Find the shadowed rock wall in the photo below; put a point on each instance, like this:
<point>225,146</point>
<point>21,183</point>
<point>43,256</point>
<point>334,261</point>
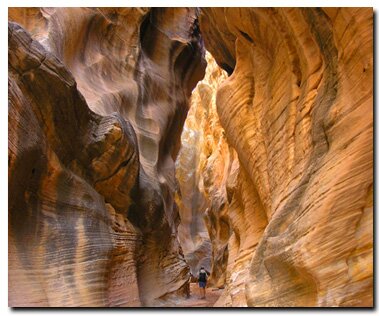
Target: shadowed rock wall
<point>97,101</point>
<point>297,109</point>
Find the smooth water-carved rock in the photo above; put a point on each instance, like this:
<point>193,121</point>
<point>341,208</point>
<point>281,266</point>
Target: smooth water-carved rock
<point>298,111</point>
<point>202,169</point>
<point>62,156</point>
<point>136,69</point>
<point>97,102</point>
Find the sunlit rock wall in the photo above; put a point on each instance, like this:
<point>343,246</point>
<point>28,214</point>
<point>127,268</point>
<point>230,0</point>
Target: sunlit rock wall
<point>298,110</point>
<point>192,204</point>
<point>202,169</point>
<point>97,101</point>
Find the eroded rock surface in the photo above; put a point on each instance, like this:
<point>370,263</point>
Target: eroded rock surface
<point>66,243</point>
<point>202,169</point>
<point>297,108</point>
<point>96,224</point>
<point>281,174</point>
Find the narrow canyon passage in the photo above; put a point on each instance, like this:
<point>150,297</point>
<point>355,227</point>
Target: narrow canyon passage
<point>202,168</point>
<point>144,143</point>
<point>201,171</point>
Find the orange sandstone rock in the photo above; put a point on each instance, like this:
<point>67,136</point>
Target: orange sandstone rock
<point>297,108</point>
<point>202,170</point>
<point>277,180</point>
<point>108,92</point>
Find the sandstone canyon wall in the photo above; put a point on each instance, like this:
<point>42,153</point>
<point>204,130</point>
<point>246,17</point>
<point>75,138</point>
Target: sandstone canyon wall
<point>274,179</point>
<point>298,110</point>
<point>202,169</point>
<point>97,101</point>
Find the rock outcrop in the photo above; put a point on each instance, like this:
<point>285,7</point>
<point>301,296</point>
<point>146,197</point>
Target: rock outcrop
<point>274,179</point>
<point>298,110</point>
<point>97,101</point>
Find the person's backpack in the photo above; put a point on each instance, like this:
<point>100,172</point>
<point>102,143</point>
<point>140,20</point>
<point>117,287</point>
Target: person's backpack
<point>202,277</point>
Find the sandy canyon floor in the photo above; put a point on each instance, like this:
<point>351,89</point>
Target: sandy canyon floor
<point>212,295</point>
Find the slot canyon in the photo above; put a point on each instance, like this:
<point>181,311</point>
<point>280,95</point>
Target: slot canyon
<point>144,143</point>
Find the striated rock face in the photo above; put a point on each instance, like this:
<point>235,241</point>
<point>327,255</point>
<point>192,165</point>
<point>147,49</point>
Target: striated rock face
<point>297,109</point>
<point>202,169</point>
<point>274,178</point>
<point>97,101</point>
<point>66,242</point>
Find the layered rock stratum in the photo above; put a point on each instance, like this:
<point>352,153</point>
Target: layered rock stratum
<point>273,182</point>
<point>97,101</point>
<point>298,110</point>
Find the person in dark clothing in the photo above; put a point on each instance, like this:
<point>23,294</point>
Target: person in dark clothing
<point>202,278</point>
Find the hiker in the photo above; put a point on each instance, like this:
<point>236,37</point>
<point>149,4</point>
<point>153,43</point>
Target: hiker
<point>202,278</point>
